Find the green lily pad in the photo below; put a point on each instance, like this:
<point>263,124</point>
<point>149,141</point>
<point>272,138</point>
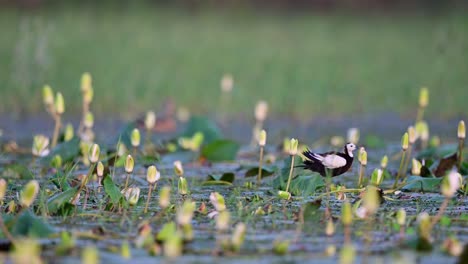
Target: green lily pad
<point>112,190</point>
<point>57,201</point>
<point>266,171</point>
<point>166,231</point>
<point>27,224</point>
<point>17,171</point>
<point>223,179</point>
<point>68,151</point>
<point>420,184</point>
<point>306,185</point>
<point>220,150</point>
<point>202,124</point>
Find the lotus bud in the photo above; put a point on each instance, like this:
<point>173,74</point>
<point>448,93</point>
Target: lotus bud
<point>222,220</point>
<point>152,174</point>
<point>401,217</point>
<point>3,188</point>
<point>100,169</point>
<point>346,214</point>
<point>422,129</point>
<point>377,177</point>
<point>371,200</point>
<point>461,132</point>
<point>284,195</point>
<point>164,197</point>
<point>353,135</point>
<point>185,213</point>
<point>262,138</point>
<point>425,225</point>
<point>423,97</point>
<point>330,228</point>
<point>47,95</point>
<point>56,161</point>
<point>182,186</point>
<point>29,193</point>
<point>69,132</point>
<point>412,135</point>
<point>150,120</point>
<point>416,168</point>
<point>172,247</point>
<point>178,169</point>
<point>59,104</point>
<point>384,162</point>
<point>88,120</point>
<point>261,111</point>
<point>451,183</point>
<point>347,254</point>
<point>218,201</point>
<point>238,236</point>
<point>404,141</point>
<point>132,195</point>
<point>40,146</point>
<point>90,255</point>
<point>286,145</point>
<point>129,164</point>
<point>135,137</point>
<point>362,157</point>
<point>293,149</point>
<point>94,153</point>
<point>86,81</point>
<point>227,82</point>
<point>88,96</point>
<point>121,149</point>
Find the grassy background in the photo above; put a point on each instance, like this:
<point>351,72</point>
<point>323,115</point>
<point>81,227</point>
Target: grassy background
<point>302,64</point>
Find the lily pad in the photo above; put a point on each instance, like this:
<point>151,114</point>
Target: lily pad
<point>266,171</point>
<point>27,224</point>
<point>57,201</point>
<point>420,184</point>
<point>206,126</point>
<point>306,185</point>
<point>67,150</point>
<point>17,171</point>
<point>223,179</point>
<point>220,150</point>
<point>112,190</point>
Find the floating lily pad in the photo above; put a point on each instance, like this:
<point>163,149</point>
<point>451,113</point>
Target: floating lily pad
<point>27,224</point>
<point>266,171</point>
<point>220,150</point>
<point>420,184</point>
<point>59,200</point>
<point>220,179</point>
<point>206,126</point>
<point>17,171</point>
<point>67,150</point>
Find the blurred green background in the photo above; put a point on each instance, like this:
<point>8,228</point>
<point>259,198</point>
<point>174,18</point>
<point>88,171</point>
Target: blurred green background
<point>305,61</point>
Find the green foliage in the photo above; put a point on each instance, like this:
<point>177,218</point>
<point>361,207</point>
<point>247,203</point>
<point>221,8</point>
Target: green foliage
<point>59,200</point>
<point>220,150</point>
<point>266,171</point>
<point>220,179</point>
<point>68,151</point>
<point>27,224</point>
<point>206,126</point>
<point>112,190</point>
<point>17,171</point>
<point>420,184</point>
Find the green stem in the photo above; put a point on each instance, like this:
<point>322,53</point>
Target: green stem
<point>148,199</point>
<point>126,181</point>
<point>403,155</point>
<point>420,114</point>
<point>290,173</point>
<point>461,143</point>
<point>260,164</point>
<point>362,169</point>
<point>343,191</point>
<point>83,184</point>
<point>58,122</point>
<point>407,161</point>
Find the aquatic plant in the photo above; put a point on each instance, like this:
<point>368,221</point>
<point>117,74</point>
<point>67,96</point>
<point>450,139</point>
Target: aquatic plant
<point>362,157</point>
<point>152,177</point>
<point>261,142</point>
<point>404,147</point>
<point>461,134</point>
<point>292,153</point>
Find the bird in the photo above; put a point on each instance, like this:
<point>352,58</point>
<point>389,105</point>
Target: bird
<point>336,163</point>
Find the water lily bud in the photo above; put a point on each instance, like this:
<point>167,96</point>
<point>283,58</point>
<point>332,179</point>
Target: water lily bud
<point>453,247</point>
<point>330,251</point>
<point>47,95</point>
<point>384,162</point>
<point>152,174</point>
<point>262,138</point>
<point>362,157</point>
<point>286,145</point>
<point>346,213</point>
<point>100,169</point>
<point>218,201</point>
<point>434,142</point>
<point>56,161</point>
<point>185,213</point>
<point>280,247</point>
<point>353,135</point>
<point>222,220</point>
<point>347,254</point>
<point>423,97</point>
<point>422,130</point>
<point>121,149</point>
<point>293,149</point>
<point>451,183</point>
<point>132,195</point>
<point>461,132</point>
<point>238,236</point>
<point>172,247</point>
<point>261,111</point>
<point>377,177</point>
<point>401,217</point>
<point>94,153</point>
<point>165,197</point>
<point>412,135</point>
<point>69,132</point>
<point>88,121</point>
<point>129,164</point>
<point>59,104</point>
<point>425,225</point>
<point>178,169</point>
<point>40,146</point>
<point>284,195</point>
<point>416,168</point>
<point>25,250</point>
<point>227,82</point>
<point>330,228</point>
<point>88,96</point>
<point>86,81</point>
<point>29,193</point>
<point>371,200</point>
<point>135,137</point>
<point>404,141</point>
<point>125,250</point>
<point>150,120</point>
<point>182,186</point>
<point>197,140</point>
<point>3,188</point>
<point>90,255</point>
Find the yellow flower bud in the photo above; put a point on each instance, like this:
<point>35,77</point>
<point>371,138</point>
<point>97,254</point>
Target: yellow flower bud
<point>88,120</point>
<point>178,169</point>
<point>125,251</point>
<point>347,254</point>
<point>238,236</point>
<point>135,137</point>
<point>346,213</point>
<point>401,217</point>
<point>150,120</point>
<point>371,200</point>
<point>94,153</point>
<point>86,81</point>
<point>182,186</point>
<point>185,213</point>
<point>412,135</point>
<point>47,95</point>
<point>222,220</point>
<point>152,174</point>
<point>100,169</point>
<point>218,201</point>
<point>353,135</point>
<point>404,141</point>
<point>29,193</point>
<point>88,96</point>
<point>416,167</point>
<point>59,104</point>
<point>422,129</point>
<point>262,138</point>
<point>69,132</point>
<point>362,157</point>
<point>40,146</point>
<point>461,132</point>
<point>293,149</point>
<point>384,162</point>
<point>227,82</point>
<point>451,183</point>
<point>423,97</point>
<point>129,164</point>
<point>90,255</point>
<point>330,228</point>
<point>284,195</point>
<point>164,197</point>
<point>377,177</point>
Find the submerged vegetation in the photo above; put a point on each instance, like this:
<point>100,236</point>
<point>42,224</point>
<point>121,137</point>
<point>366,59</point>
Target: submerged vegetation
<point>200,194</point>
